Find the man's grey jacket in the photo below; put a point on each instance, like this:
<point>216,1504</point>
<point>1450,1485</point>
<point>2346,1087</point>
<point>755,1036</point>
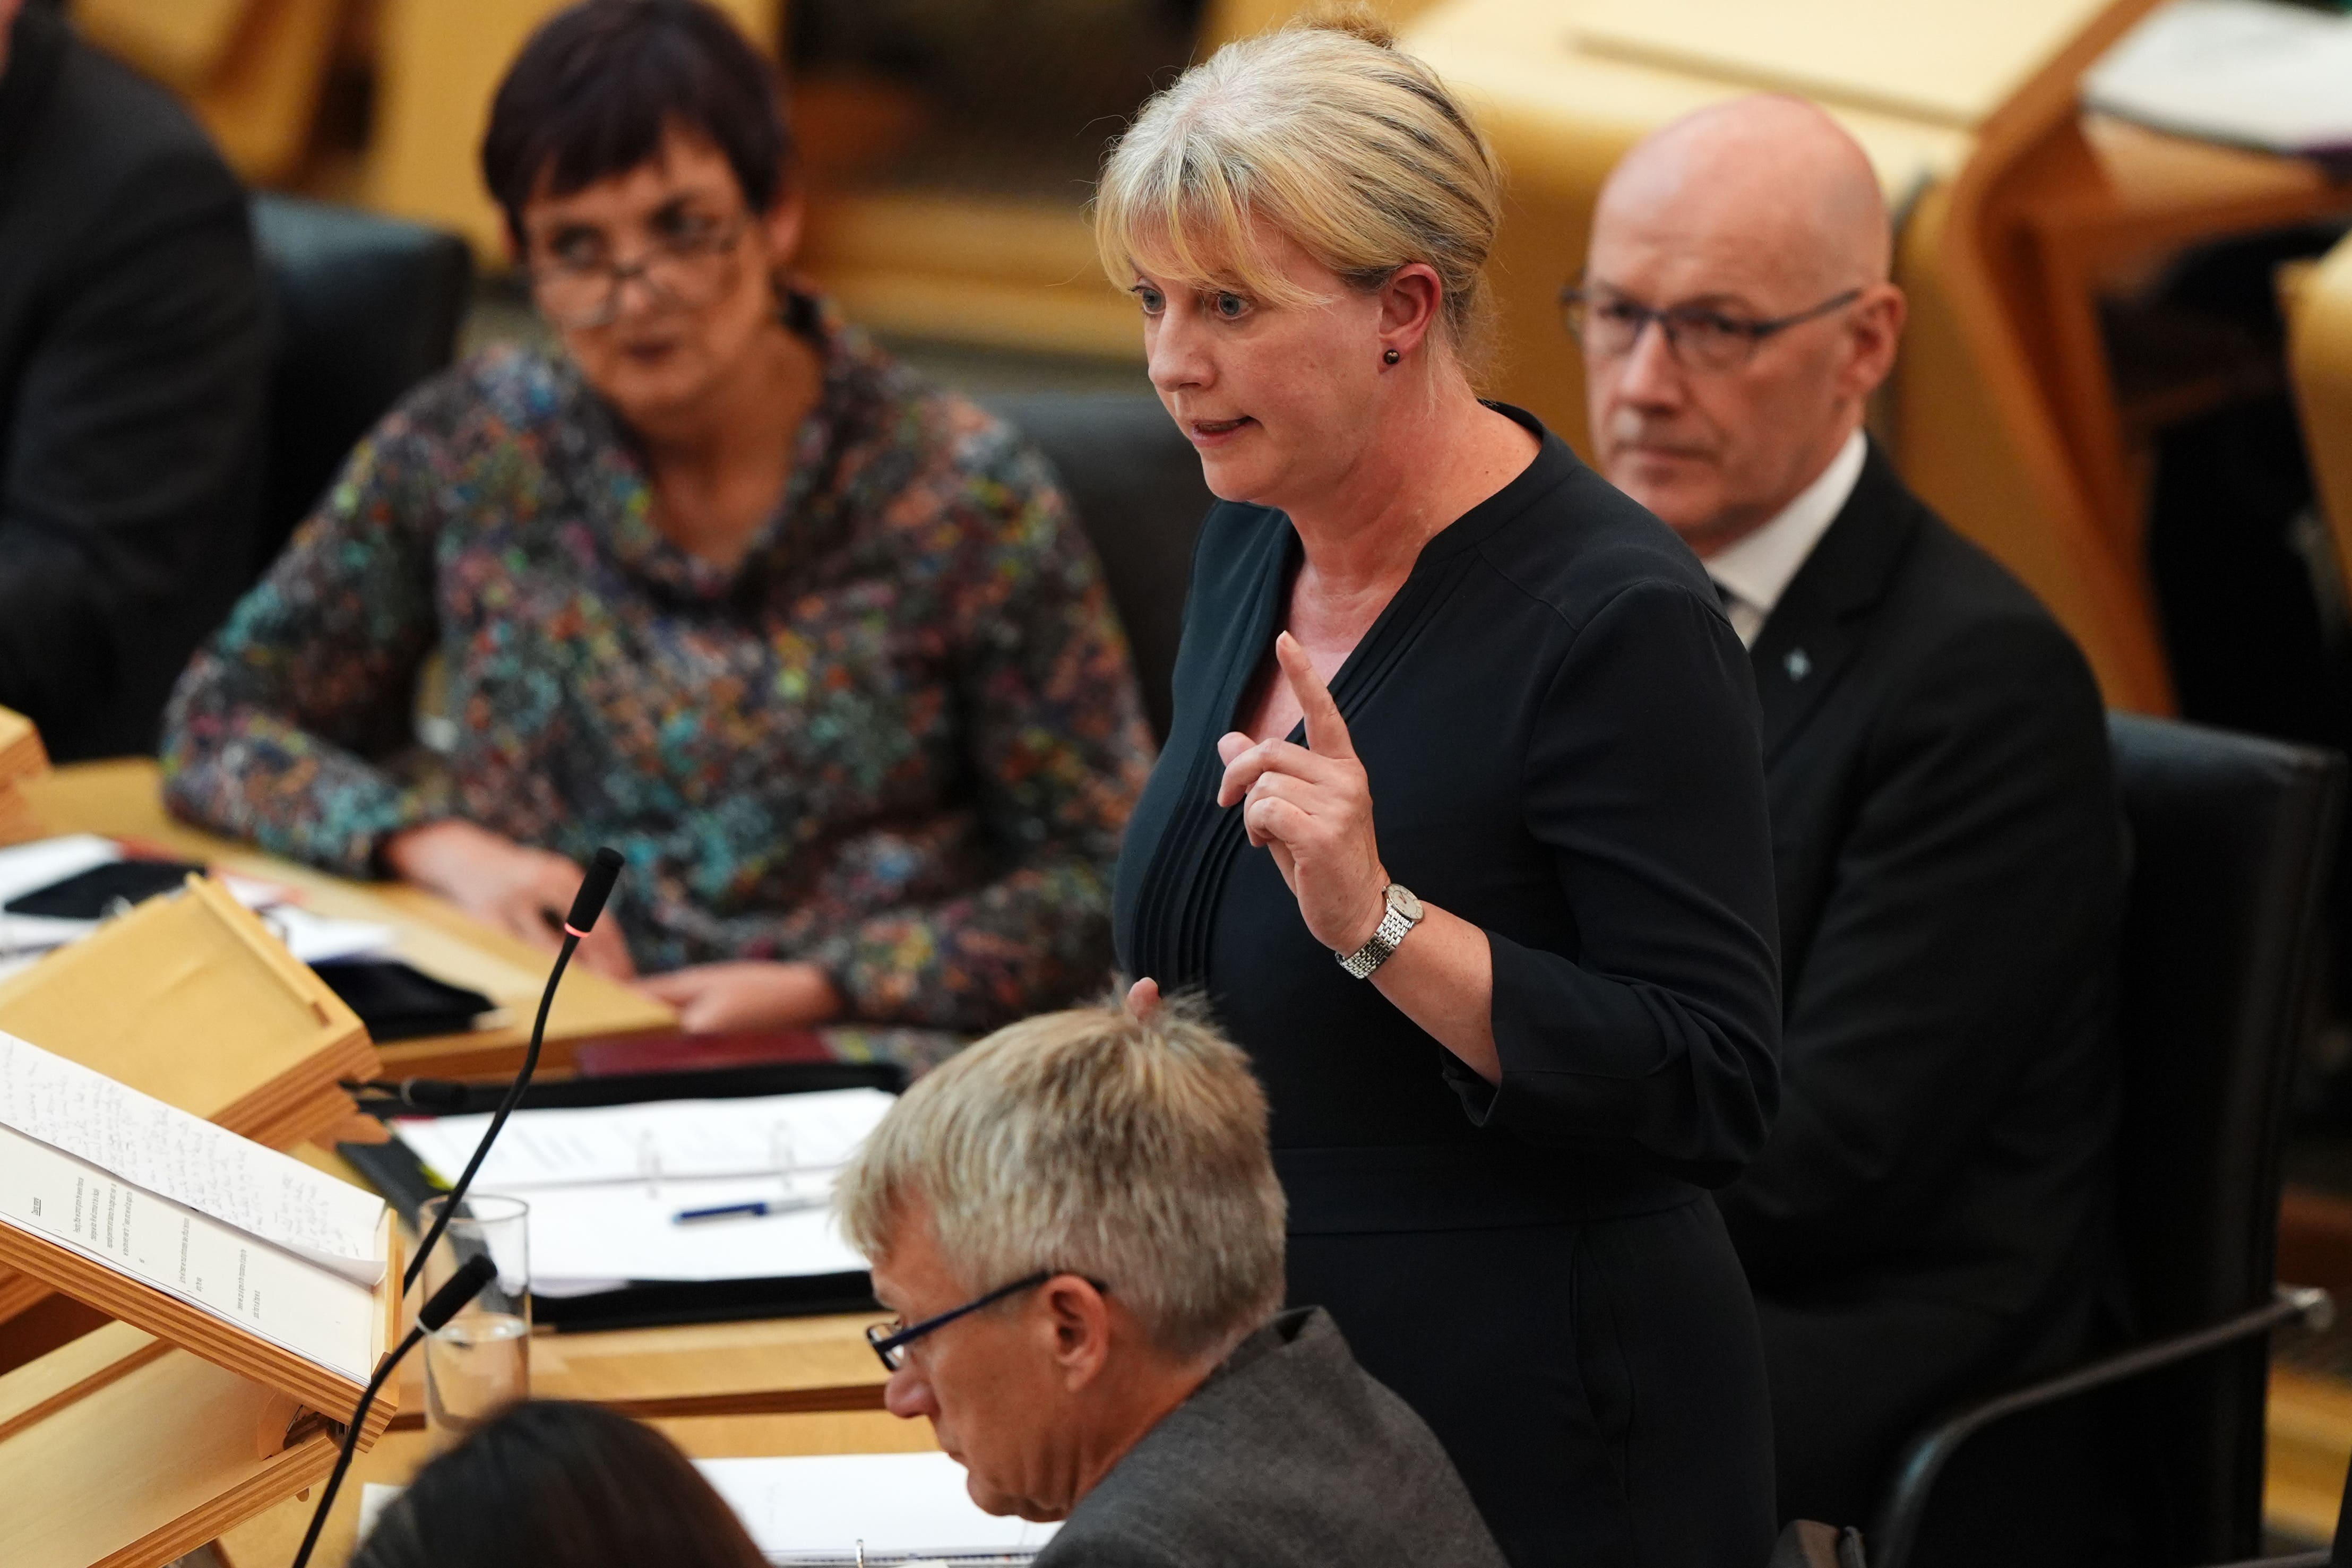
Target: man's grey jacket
<point>1289,1453</point>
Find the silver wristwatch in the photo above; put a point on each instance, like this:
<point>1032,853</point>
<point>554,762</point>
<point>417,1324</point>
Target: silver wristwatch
<point>1404,913</point>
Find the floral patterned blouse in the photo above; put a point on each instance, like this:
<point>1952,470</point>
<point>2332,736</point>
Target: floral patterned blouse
<point>899,740</point>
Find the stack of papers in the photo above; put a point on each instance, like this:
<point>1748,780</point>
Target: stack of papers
<point>28,867</point>
<point>243,1232</point>
<point>606,1184</point>
<point>902,1508</point>
<point>2254,73</point>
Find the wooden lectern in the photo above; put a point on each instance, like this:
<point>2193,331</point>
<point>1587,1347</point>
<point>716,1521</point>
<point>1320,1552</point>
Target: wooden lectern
<point>135,1445</point>
<point>190,999</point>
<point>142,1440</point>
<point>121,1451</point>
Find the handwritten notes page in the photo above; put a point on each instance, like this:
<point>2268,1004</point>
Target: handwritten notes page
<point>188,1161</point>
<point>231,1273</point>
<point>243,1232</point>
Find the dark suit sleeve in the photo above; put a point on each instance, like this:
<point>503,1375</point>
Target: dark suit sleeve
<point>1975,885</point>
<point>129,461</point>
<point>1645,780</point>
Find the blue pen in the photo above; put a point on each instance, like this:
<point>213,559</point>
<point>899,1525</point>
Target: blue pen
<point>754,1210</point>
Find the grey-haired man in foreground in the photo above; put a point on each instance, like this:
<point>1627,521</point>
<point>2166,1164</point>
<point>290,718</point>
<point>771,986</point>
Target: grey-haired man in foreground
<point>1079,1226</point>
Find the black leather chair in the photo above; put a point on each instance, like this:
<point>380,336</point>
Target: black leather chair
<point>363,307</point>
<point>2232,842</point>
<point>1136,485</point>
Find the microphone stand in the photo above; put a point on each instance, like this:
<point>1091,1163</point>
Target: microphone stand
<point>455,1291</point>
<point>595,888</point>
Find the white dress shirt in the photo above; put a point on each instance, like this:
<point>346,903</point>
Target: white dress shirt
<point>1752,574</point>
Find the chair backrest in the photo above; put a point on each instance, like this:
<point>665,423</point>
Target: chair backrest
<point>1135,482</point>
<point>2234,839</point>
<point>364,307</point>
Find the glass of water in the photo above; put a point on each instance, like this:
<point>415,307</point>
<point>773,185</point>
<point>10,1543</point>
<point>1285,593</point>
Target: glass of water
<point>480,1362</point>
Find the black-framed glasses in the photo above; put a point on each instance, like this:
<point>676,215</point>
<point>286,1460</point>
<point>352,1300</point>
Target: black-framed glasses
<point>1701,337</point>
<point>890,1340</point>
<point>687,269</point>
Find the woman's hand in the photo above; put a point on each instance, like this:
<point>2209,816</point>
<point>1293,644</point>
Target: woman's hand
<point>723,998</point>
<point>1311,805</point>
<point>524,892</point>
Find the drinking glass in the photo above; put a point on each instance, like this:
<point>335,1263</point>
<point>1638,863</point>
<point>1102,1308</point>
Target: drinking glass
<point>480,1362</point>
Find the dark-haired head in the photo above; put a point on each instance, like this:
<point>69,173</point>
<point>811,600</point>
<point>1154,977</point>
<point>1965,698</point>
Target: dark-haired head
<point>595,91</point>
<point>637,147</point>
<point>559,1485</point>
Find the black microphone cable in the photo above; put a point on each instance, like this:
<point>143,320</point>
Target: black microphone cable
<point>459,1288</point>
<point>594,889</point>
<point>478,1270</point>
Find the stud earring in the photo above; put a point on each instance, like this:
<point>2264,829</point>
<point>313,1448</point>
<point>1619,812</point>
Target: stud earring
<point>1391,357</point>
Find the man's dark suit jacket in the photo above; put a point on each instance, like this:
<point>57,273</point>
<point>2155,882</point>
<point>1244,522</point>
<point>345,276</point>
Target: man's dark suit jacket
<point>1291,1456</point>
<point>132,365</point>
<point>1928,1219</point>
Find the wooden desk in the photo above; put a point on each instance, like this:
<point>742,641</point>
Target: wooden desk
<point>2091,201</point>
<point>121,799</point>
<point>2016,209</point>
<point>2319,358</point>
<point>271,1540</point>
<point>785,1385</point>
<point>764,1367</point>
<point>774,1366</point>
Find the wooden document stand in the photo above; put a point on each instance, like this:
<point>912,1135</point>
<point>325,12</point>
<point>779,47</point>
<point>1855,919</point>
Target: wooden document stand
<point>120,1450</point>
<point>127,1448</point>
<point>190,999</point>
<point>136,1443</point>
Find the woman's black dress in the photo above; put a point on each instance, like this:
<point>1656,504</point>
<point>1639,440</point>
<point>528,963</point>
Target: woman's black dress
<point>1560,732</point>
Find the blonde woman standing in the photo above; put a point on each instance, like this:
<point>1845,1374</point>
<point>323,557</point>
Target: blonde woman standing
<point>1461,827</point>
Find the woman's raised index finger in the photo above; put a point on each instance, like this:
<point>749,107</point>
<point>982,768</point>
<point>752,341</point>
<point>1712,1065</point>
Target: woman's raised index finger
<point>1327,733</point>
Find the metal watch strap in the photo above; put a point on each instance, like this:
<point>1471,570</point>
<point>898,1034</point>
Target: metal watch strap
<point>1393,926</point>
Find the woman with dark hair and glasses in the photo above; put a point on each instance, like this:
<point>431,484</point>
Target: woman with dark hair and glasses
<point>557,1485</point>
<point>817,645</point>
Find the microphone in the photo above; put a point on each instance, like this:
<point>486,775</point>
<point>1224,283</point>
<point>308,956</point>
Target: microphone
<point>455,1291</point>
<point>447,1301</point>
<point>595,888</point>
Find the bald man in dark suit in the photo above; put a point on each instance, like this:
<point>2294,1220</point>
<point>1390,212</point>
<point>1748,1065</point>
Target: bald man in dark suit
<point>1930,1219</point>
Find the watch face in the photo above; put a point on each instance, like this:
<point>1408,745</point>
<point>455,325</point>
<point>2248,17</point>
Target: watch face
<point>1401,900</point>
